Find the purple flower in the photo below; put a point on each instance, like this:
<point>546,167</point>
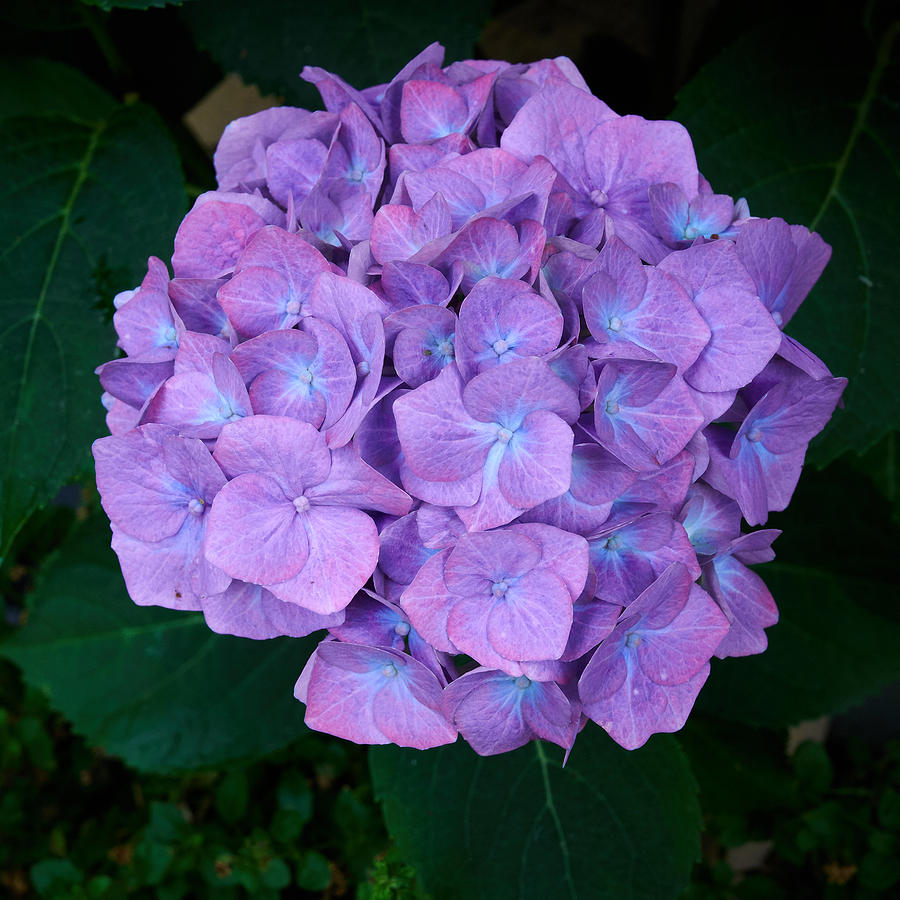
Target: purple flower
<point>784,261</point>
<point>503,597</point>
<point>371,695</point>
<point>628,305</point>
<point>156,488</point>
<point>645,676</point>
<point>297,508</point>
<point>759,465</point>
<point>501,320</point>
<point>496,712</point>
<point>466,367</point>
<point>503,438</point>
<point>643,412</point>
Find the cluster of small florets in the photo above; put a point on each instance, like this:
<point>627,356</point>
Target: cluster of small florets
<point>482,378</point>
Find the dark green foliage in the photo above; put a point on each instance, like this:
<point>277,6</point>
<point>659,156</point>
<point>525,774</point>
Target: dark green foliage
<point>78,824</point>
<point>822,655</point>
<point>812,135</point>
<point>82,217</point>
<point>366,43</point>
<point>520,825</point>
<point>154,686</point>
<point>831,834</point>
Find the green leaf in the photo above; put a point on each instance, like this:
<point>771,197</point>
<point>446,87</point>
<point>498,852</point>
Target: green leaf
<point>813,768</point>
<point>232,796</point>
<point>154,686</point>
<point>313,872</point>
<point>612,823</point>
<point>51,875</point>
<point>295,796</point>
<point>813,135</point>
<point>831,649</point>
<point>276,874</point>
<point>740,769</point>
<point>366,43</point>
<point>92,188</point>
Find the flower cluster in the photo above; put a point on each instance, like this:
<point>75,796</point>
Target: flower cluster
<point>482,378</point>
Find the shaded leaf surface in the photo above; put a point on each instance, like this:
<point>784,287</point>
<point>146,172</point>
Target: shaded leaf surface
<point>831,649</point>
<point>366,43</point>
<point>92,189</point>
<point>739,768</point>
<point>154,686</point>
<point>610,824</point>
<point>813,135</point>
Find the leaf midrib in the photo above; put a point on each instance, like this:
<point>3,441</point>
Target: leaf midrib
<point>117,634</point>
<point>882,58</point>
<point>81,175</point>
<point>550,806</point>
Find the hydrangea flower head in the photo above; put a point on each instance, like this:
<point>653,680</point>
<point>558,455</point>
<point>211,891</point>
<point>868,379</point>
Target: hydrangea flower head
<point>484,380</point>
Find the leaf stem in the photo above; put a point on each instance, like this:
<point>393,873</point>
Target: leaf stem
<point>882,58</point>
<point>551,808</point>
<point>97,28</point>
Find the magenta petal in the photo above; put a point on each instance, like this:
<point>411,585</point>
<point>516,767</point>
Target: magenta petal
<point>293,167</point>
<point>255,533</point>
<point>216,230</point>
<point>248,610</point>
<point>407,709</point>
<point>492,508</point>
<point>478,560</point>
<point>641,708</point>
<point>430,110</point>
<point>537,464</point>
<point>241,136</point>
<point>675,653</point>
<point>145,489</point>
<point>507,394</point>
<point>351,482</point>
<point>593,620</point>
<point>502,320</point>
<point>200,404</point>
<point>555,123</point>
<point>564,554</point>
<point>747,603</point>
<point>132,381</point>
<point>273,281</point>
<point>343,552</point>
<point>291,452</point>
<point>375,696</point>
<point>406,284</point>
<point>629,149</point>
<point>464,492</point>
<point>440,440</point>
<point>427,603</point>
<point>533,619</point>
<point>160,573</point>
<point>339,698</point>
<point>485,705</point>
<point>744,336</point>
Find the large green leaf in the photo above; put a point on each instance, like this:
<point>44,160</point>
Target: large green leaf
<point>809,130</point>
<point>831,649</point>
<point>91,189</point>
<point>366,43</point>
<point>153,686</point>
<point>520,825</point>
